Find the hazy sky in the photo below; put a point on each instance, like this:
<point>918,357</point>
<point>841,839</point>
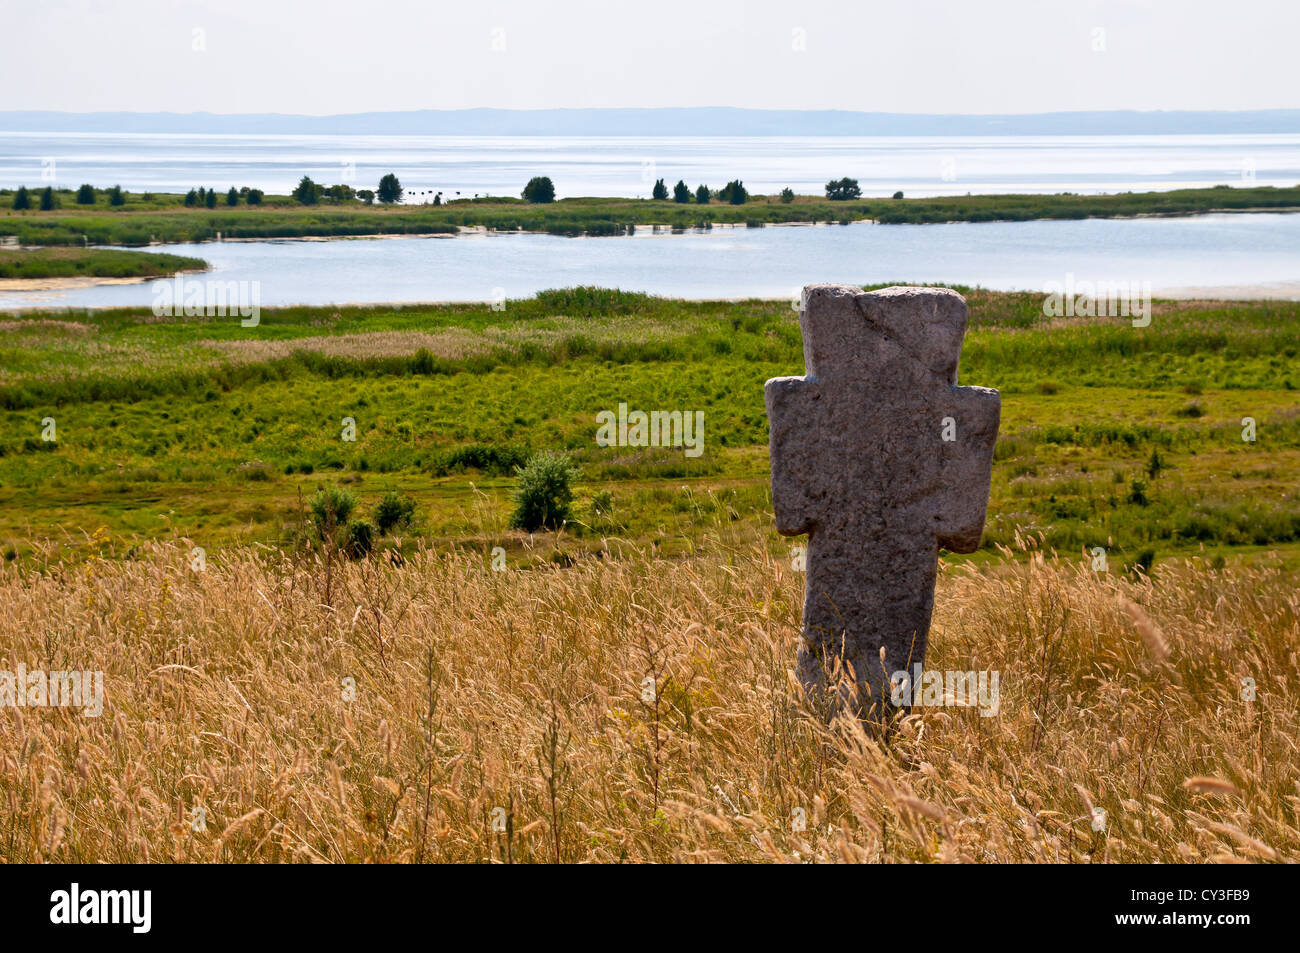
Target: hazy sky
<point>959,56</point>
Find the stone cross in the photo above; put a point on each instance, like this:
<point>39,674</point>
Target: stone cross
<point>881,459</point>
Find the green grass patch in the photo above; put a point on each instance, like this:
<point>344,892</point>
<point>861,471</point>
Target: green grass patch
<point>202,428</point>
<point>92,263</point>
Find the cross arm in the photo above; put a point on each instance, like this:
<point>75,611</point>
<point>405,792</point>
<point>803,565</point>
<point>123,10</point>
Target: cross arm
<point>967,464</point>
<point>792,408</point>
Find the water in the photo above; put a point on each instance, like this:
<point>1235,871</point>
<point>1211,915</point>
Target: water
<point>1211,251</point>
<point>621,166</point>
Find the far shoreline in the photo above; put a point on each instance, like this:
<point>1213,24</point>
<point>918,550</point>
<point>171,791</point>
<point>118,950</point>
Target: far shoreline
<point>152,219</point>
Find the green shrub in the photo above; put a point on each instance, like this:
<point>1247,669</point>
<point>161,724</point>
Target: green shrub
<point>587,301</point>
<point>331,509</point>
<point>360,541</point>
<point>544,493</point>
<point>394,511</point>
<point>1142,565</point>
<point>491,459</point>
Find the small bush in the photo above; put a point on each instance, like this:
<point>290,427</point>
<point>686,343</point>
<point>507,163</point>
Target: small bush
<point>544,492</point>
<point>360,541</point>
<point>490,459</point>
<point>1142,565</point>
<point>331,508</point>
<point>588,301</point>
<point>394,511</point>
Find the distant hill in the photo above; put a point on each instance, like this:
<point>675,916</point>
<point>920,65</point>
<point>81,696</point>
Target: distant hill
<point>703,121</point>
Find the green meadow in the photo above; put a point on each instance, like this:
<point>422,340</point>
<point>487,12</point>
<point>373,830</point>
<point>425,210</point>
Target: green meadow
<point>1128,438</point>
<point>65,262</point>
<point>143,219</point>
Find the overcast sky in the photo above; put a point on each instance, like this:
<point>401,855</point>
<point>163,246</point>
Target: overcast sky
<point>947,56</point>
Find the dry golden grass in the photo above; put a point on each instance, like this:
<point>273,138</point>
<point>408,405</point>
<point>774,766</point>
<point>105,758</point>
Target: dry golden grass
<point>523,690</point>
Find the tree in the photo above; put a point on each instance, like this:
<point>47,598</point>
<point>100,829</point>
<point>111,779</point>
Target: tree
<point>341,193</point>
<point>843,189</point>
<point>702,195</point>
<point>116,196</point>
<point>734,192</point>
<point>47,199</point>
<point>681,192</point>
<point>21,199</point>
<point>898,195</point>
<point>191,198</point>
<point>390,190</point>
<point>367,196</point>
<point>307,192</point>
<point>232,197</point>
<point>255,196</point>
<point>787,196</point>
<point>211,199</point>
<point>539,189</point>
<point>86,195</point>
<point>660,191</point>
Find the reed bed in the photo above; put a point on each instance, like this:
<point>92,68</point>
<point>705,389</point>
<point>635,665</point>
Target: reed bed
<point>281,708</point>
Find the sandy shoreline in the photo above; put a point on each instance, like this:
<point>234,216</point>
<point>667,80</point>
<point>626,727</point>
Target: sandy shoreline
<point>64,284</point>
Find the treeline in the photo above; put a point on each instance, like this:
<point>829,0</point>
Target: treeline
<point>539,211</point>
<point>733,193</point>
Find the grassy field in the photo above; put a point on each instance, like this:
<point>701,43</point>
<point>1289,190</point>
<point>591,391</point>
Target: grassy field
<point>263,711</point>
<point>266,704</point>
<point>91,263</point>
<point>1115,436</point>
<point>164,218</point>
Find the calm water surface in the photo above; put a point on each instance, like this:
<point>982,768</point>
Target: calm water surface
<point>1228,250</point>
<point>628,166</point>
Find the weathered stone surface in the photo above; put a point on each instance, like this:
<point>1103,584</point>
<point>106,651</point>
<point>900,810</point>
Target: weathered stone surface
<point>861,464</point>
